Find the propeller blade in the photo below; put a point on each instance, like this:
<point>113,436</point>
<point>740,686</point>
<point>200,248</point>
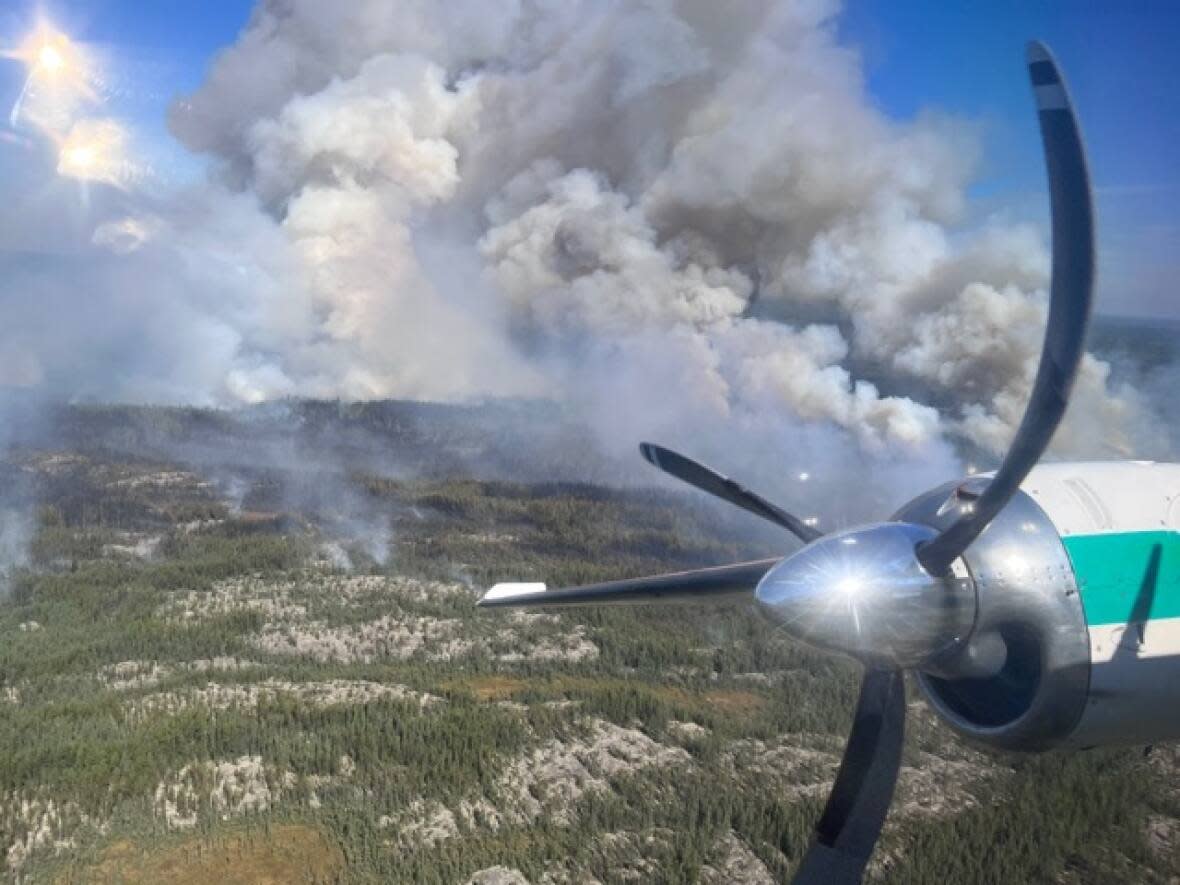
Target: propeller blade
<point>699,585</point>
<point>707,480</point>
<point>847,832</point>
<point>1070,300</point>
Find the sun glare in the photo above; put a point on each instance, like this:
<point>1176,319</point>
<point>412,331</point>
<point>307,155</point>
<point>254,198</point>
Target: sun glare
<point>50,59</point>
<point>49,53</point>
<point>850,586</point>
<point>60,80</point>
<point>95,150</point>
<point>61,99</point>
<point>78,158</point>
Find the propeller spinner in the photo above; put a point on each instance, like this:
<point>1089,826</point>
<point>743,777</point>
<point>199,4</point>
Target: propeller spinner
<point>893,595</point>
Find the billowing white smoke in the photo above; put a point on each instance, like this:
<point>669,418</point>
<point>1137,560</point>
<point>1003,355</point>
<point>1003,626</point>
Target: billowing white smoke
<point>684,217</point>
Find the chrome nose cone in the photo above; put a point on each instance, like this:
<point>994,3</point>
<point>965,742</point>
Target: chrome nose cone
<point>862,592</point>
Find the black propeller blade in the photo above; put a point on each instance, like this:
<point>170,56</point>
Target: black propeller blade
<point>847,832</point>
<point>691,586</point>
<point>1069,311</point>
<point>708,480</point>
<point>851,823</point>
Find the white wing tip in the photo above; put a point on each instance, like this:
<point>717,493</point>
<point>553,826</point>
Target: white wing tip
<point>505,592</point>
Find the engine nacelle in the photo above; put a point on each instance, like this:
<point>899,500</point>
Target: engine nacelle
<point>1079,575</point>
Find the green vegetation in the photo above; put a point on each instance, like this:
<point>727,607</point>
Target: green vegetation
<point>190,687</point>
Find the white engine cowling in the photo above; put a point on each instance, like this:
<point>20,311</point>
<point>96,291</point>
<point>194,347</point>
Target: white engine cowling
<point>1080,576</point>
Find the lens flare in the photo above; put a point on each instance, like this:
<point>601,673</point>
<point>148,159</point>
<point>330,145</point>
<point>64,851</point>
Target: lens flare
<point>50,59</point>
<point>850,586</point>
<point>52,56</point>
<point>61,101</point>
<point>79,158</point>
<point>60,80</point>
<point>95,150</point>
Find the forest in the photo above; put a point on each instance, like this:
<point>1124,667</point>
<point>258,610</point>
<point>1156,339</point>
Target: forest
<point>244,645</point>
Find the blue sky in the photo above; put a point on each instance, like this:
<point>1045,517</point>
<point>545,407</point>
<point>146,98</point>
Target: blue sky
<point>962,58</point>
<point>1123,66</point>
<point>185,33</point>
<point>150,50</point>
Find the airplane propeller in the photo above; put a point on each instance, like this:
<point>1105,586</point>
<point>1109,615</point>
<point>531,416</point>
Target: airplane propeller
<point>893,595</point>
<point>696,474</point>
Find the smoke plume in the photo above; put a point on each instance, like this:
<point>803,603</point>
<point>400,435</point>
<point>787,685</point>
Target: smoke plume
<point>686,219</point>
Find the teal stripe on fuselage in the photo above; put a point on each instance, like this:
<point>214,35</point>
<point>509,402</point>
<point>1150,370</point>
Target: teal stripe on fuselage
<point>1127,577</point>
